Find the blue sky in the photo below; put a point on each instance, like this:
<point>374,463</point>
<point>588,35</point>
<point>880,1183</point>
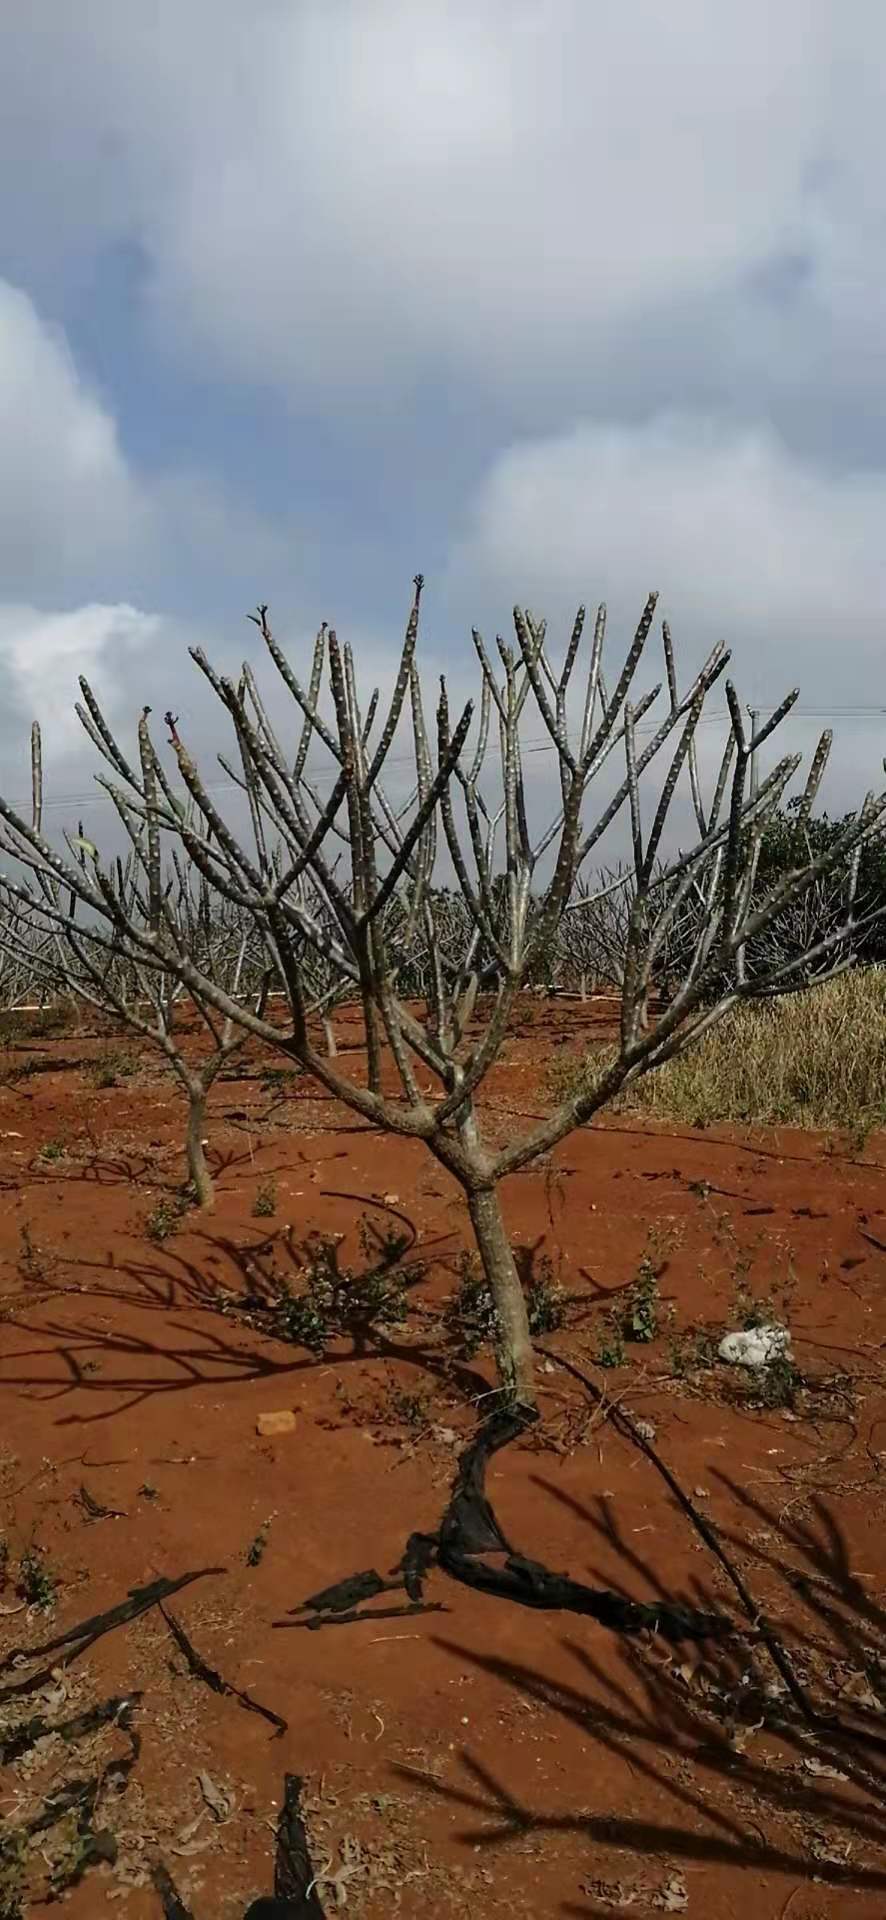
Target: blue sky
<point>547,298</point>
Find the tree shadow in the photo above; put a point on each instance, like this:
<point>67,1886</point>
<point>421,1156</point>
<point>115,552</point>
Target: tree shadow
<point>823,1582</point>
<point>828,1621</point>
<point>686,1746</point>
<point>701,1136</point>
<point>250,1344</point>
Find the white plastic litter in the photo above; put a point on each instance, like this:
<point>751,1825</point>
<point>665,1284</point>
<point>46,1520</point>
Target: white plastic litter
<point>756,1347</point>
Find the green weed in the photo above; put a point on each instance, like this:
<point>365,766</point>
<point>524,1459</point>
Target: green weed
<point>265,1203</point>
<point>255,1551</point>
<point>37,1582</point>
<point>166,1217</point>
<point>470,1315</point>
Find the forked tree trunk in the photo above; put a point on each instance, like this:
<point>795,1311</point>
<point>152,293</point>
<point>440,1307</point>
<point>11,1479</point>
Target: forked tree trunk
<point>198,1171</point>
<point>515,1344</point>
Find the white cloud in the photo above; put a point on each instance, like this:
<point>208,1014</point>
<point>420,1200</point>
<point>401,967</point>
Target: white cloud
<point>357,190</point>
<point>43,653</point>
<point>744,541</point>
<point>68,502</point>
<point>582,214</point>
<point>77,519</point>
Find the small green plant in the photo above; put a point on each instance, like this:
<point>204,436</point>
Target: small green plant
<point>33,1263</point>
<point>412,1409</point>
<point>53,1150</point>
<point>147,1490</point>
<point>332,1299</point>
<point>611,1349</point>
<point>22,1070</point>
<point>470,1315</point>
<point>278,1080</point>
<point>771,1308</point>
<point>13,1845</point>
<point>545,1300</point>
<point>774,1387</point>
<point>165,1217</point>
<point>692,1352</point>
<point>265,1203</point>
<point>111,1069</point>
<point>637,1317</point>
<point>255,1551</point>
<point>37,1583</point>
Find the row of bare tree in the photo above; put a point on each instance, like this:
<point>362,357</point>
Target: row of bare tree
<point>324,896</point>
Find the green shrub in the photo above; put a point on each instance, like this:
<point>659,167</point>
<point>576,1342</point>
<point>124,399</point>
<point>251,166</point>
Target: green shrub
<point>265,1203</point>
<point>37,1583</point>
<point>470,1315</point>
<point>165,1217</point>
<point>329,1299</point>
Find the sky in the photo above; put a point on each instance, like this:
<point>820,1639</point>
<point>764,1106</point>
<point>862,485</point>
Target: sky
<point>550,300</point>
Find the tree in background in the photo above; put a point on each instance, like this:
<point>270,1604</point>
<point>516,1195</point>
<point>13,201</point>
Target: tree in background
<point>101,960</point>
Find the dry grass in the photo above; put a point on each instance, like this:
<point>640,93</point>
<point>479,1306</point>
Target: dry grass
<point>817,1059</point>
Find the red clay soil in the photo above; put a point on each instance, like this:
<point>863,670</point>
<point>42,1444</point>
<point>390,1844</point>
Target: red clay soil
<point>485,1759</point>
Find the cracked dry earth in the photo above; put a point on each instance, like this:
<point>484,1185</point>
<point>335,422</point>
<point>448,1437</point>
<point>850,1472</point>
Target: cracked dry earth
<point>484,1759</point>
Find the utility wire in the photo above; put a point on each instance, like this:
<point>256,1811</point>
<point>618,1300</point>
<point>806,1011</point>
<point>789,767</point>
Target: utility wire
<point>90,797</point>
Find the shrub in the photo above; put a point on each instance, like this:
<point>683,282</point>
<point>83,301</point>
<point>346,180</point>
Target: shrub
<point>165,1217</point>
<point>33,1023</point>
<point>265,1203</point>
<point>111,1069</point>
<point>470,1316</point>
<point>328,1299</point>
<point>37,1582</point>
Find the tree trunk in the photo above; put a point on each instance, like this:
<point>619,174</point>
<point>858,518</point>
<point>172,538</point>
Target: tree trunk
<point>331,1048</point>
<point>515,1347</point>
<point>200,1176</point>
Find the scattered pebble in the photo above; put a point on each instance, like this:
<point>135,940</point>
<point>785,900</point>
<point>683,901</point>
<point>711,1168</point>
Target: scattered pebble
<point>270,1424</point>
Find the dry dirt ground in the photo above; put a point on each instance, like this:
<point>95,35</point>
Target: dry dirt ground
<point>483,1759</point>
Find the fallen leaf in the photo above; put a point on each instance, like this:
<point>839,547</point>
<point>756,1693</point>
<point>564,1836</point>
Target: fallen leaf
<point>218,1800</point>
<point>188,1831</point>
<point>822,1771</point>
<point>858,1689</point>
<point>823,1849</point>
<point>673,1896</point>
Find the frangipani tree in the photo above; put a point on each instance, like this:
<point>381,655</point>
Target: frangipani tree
<point>351,876</point>
<point>103,961</point>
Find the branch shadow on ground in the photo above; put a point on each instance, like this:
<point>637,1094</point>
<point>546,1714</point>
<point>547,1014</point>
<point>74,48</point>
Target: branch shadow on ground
<point>232,1285</point>
<point>799,1804</point>
<point>244,1347</point>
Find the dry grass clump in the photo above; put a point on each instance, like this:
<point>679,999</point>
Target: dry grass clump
<point>815,1059</point>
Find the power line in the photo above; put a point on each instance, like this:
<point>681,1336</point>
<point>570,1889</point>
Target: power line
<point>543,744</point>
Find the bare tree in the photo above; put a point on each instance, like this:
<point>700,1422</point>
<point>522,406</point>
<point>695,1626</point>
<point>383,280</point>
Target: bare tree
<point>593,933</point>
<point>322,874</point>
<point>104,963</point>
